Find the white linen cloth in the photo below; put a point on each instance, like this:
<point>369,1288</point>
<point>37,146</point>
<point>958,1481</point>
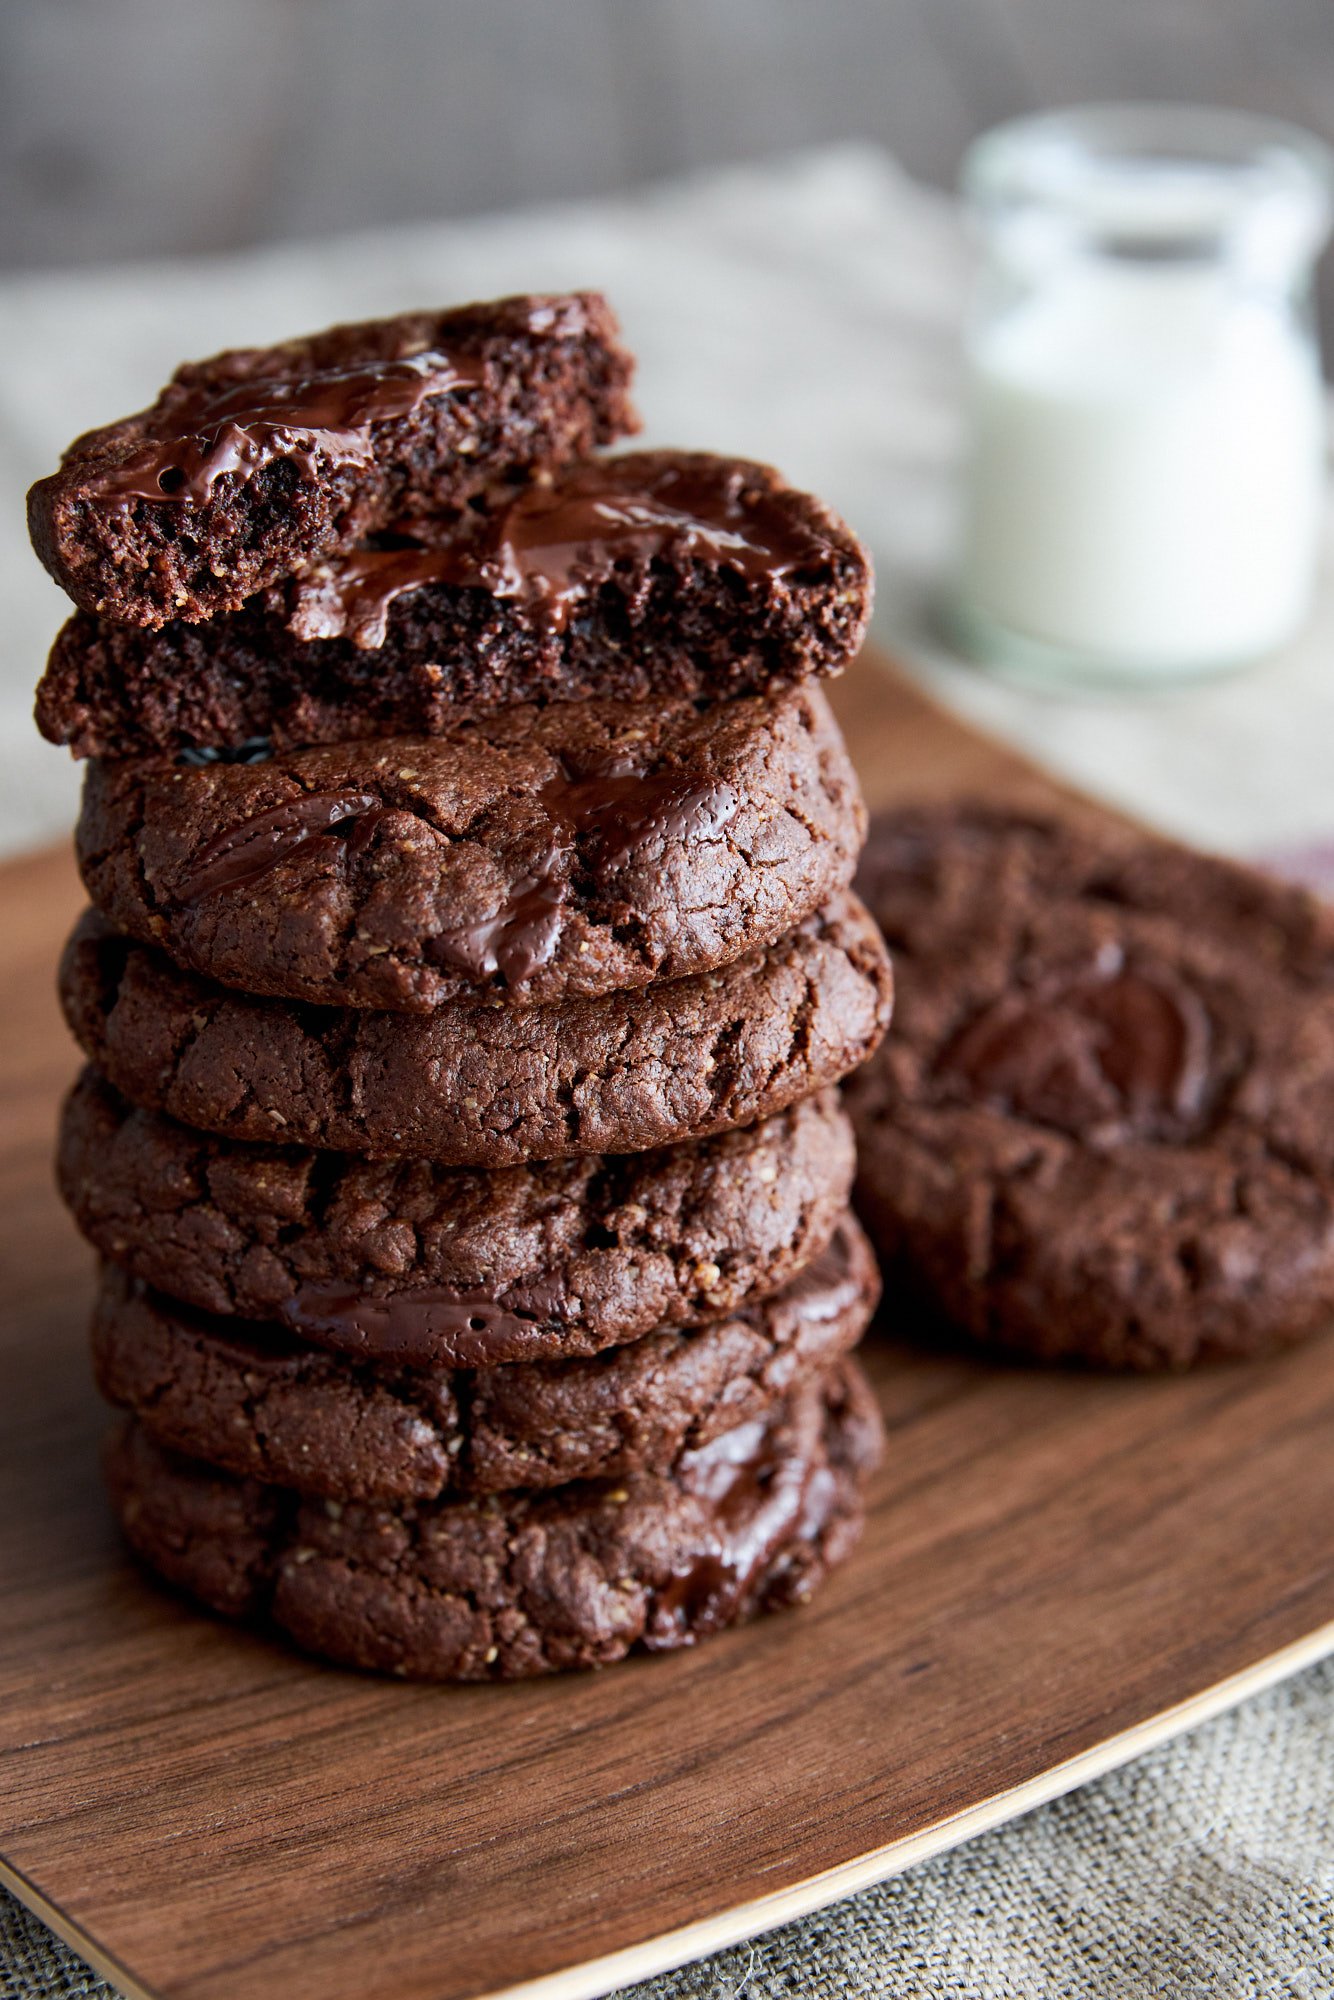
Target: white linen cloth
<point>807,312</point>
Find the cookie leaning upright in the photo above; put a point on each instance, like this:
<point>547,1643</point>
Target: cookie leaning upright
<point>472,968</point>
<point>1103,1129</point>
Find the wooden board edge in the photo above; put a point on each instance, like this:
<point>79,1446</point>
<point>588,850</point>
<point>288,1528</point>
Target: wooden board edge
<point>598,1977</point>
<point>70,1933</point>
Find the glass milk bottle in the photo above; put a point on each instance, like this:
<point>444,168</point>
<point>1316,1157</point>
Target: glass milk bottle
<point>1145,488</point>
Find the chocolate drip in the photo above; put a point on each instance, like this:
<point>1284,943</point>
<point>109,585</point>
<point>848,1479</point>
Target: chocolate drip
<point>552,542</point>
<point>754,1494</point>
<point>247,852</point>
<point>327,413</point>
<point>351,596</point>
<point>432,1327</point>
<point>1121,1047</point>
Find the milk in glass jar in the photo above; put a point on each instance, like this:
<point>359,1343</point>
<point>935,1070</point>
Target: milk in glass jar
<point>1146,477</point>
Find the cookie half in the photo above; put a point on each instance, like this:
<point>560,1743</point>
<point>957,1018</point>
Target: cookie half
<point>474,1085</point>
<point>424,1265</point>
<point>1104,1128</point>
<point>648,576</point>
<point>254,1401</point>
<point>532,855</point>
<point>511,1586</point>
<point>254,464</point>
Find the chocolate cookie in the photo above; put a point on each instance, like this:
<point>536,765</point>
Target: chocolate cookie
<point>531,1583</point>
<point>456,1265</point>
<point>534,853</point>
<point>258,1403</point>
<point>656,575</point>
<point>1104,1128</point>
<point>260,461</point>
<point>476,1085</point>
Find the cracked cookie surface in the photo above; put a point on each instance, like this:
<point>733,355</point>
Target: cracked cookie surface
<point>506,1587</point>
<point>475,1085</point>
<point>1103,1129</point>
<point>528,855</point>
<point>252,1400</point>
<point>565,1256</point>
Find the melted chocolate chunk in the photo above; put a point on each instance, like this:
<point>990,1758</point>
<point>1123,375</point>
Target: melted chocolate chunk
<point>549,534</point>
<point>624,811</point>
<point>450,1329</point>
<point>618,812</point>
<point>549,541</point>
<point>519,937</point>
<point>1123,1047</point>
<point>829,1283</point>
<point>328,412</point>
<point>756,1496</point>
<point>352,597</point>
<point>245,853</point>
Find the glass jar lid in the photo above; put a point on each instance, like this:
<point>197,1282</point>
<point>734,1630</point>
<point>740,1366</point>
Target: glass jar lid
<point>1154,182</point>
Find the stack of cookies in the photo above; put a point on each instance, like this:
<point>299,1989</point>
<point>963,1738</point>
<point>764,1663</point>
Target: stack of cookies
<point>472,966</point>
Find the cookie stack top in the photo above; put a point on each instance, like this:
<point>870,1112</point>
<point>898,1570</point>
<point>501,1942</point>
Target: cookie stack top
<point>401,521</point>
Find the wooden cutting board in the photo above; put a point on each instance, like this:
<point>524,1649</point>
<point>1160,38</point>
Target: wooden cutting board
<point>1057,1573</point>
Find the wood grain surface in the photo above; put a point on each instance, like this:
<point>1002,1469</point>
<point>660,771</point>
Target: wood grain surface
<point>1056,1570</point>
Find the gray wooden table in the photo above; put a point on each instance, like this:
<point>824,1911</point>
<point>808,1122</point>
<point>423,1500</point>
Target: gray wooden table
<point>137,127</point>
